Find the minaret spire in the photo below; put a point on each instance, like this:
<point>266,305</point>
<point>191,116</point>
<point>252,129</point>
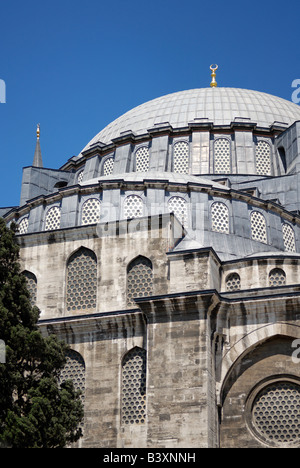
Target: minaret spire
<point>37,160</point>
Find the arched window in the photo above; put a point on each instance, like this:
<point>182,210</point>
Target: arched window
<point>288,237</point>
<point>80,177</point>
<point>277,277</point>
<point>74,370</point>
<point>233,282</point>
<point>222,163</point>
<point>258,227</point>
<point>134,387</point>
<point>31,285</point>
<point>263,158</point>
<point>181,157</point>
<point>52,221</point>
<point>139,279</point>
<point>90,212</point>
<point>108,166</point>
<point>178,206</point>
<point>133,207</point>
<point>23,226</point>
<point>275,413</point>
<point>82,281</point>
<point>220,217</point>
<point>142,159</point>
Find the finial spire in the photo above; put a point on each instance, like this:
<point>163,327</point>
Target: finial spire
<point>213,83</point>
<point>37,160</point>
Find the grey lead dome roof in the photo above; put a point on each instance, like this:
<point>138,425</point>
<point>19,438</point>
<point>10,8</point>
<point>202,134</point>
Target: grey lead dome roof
<point>219,105</point>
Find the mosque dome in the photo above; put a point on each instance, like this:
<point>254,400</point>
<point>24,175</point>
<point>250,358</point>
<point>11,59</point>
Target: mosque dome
<point>221,106</point>
<point>219,159</point>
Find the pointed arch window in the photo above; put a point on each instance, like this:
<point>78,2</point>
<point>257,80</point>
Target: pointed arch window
<point>181,157</point>
<point>134,387</point>
<point>139,279</point>
<point>142,159</point>
<point>74,370</point>
<point>82,281</point>
<point>31,285</point>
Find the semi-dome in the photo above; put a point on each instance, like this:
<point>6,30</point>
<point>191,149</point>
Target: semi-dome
<point>219,105</point>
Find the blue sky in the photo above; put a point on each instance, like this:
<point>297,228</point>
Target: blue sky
<point>74,66</point>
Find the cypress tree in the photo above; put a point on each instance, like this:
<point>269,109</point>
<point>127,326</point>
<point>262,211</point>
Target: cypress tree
<point>36,411</point>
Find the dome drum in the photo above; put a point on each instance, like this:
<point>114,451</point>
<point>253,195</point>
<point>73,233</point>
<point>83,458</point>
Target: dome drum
<point>211,213</point>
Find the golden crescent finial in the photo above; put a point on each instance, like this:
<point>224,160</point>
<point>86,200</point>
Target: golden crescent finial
<point>213,83</point>
<point>38,131</point>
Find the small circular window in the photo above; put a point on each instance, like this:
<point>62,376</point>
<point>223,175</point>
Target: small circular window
<point>276,413</point>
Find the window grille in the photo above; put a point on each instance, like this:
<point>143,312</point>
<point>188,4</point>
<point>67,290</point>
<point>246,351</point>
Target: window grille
<point>134,387</point>
<point>23,226</point>
<point>139,279</point>
<point>220,217</point>
<point>52,219</point>
<point>31,285</point>
<point>82,281</point>
<point>276,413</point>
<point>277,277</point>
<point>222,156</point>
<point>181,157</point>
<point>263,158</point>
<point>258,227</point>
<point>142,159</point>
<point>90,212</point>
<point>133,207</point>
<point>74,370</point>
<point>233,282</point>
<point>178,206</point>
<point>80,177</point>
<point>108,166</point>
<point>288,237</point>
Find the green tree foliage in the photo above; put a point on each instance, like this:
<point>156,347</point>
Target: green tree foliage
<point>35,410</point>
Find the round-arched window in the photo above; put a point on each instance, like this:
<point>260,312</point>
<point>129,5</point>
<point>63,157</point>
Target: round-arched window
<point>133,207</point>
<point>275,414</point>
<point>52,221</point>
<point>258,227</point>
<point>263,158</point>
<point>181,157</point>
<point>222,163</point>
<point>220,218</point>
<point>277,277</point>
<point>142,159</point>
<point>233,282</point>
